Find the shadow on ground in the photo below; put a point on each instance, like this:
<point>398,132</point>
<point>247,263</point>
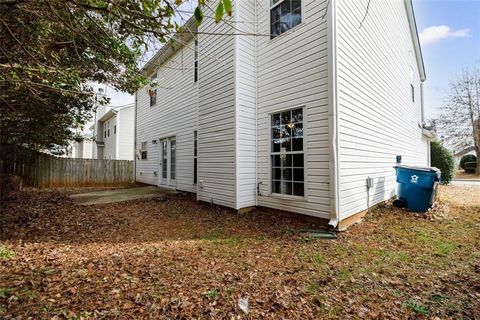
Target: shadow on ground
<point>54,216</point>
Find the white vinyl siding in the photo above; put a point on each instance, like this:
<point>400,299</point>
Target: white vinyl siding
<point>245,94</point>
<point>377,117</point>
<point>292,73</point>
<point>125,133</point>
<point>110,148</point>
<point>174,115</point>
<point>216,114</point>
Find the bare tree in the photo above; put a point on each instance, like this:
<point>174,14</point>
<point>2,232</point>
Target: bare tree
<point>459,122</point>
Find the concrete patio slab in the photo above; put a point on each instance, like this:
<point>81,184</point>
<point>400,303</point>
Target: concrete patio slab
<point>118,195</point>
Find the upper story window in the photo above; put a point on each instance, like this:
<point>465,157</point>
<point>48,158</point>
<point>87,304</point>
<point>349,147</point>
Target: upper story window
<point>153,92</point>
<point>287,155</point>
<point>195,63</point>
<point>143,151</point>
<point>412,84</point>
<point>114,129</point>
<point>284,15</point>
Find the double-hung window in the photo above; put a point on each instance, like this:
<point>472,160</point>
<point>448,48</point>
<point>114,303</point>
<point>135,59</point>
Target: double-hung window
<point>153,92</point>
<point>287,156</point>
<point>284,15</point>
<point>143,151</point>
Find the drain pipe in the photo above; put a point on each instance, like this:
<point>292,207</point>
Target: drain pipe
<point>333,115</point>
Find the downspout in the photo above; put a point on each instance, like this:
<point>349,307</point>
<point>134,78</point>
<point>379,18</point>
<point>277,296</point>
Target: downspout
<point>333,115</point>
<point>257,186</point>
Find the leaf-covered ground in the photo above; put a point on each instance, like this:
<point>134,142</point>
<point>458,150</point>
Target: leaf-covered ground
<point>175,258</point>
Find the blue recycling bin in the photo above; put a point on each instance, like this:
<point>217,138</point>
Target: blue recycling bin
<point>416,187</point>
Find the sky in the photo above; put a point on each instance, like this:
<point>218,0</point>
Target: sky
<point>449,32</point>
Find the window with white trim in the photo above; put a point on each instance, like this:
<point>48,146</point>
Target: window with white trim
<point>284,15</point>
<point>412,84</point>
<point>287,156</point>
<point>195,63</point>
<point>143,151</point>
<point>153,92</point>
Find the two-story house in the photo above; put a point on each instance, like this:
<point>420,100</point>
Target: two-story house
<point>113,132</point>
<point>288,104</point>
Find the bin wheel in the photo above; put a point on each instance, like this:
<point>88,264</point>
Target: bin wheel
<point>399,203</point>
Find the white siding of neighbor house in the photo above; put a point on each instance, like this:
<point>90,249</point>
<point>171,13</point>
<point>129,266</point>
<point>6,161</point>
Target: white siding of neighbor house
<point>245,103</point>
<point>216,113</point>
<point>377,118</point>
<point>175,114</point>
<point>109,151</point>
<point>293,72</point>
<point>125,133</point>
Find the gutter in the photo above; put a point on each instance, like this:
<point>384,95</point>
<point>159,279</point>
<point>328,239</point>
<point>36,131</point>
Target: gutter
<point>333,115</point>
<point>415,38</point>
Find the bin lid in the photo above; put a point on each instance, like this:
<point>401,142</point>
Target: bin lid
<point>424,169</point>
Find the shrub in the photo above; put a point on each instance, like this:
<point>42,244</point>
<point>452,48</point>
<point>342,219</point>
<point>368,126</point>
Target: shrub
<point>442,159</point>
<point>467,158</point>
<point>470,167</point>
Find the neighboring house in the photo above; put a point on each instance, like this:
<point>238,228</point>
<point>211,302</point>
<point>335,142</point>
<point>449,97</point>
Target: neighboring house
<point>292,109</point>
<point>459,155</point>
<point>82,149</point>
<point>113,132</point>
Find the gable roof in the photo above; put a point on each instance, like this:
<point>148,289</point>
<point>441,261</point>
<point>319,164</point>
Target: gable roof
<point>172,45</point>
<point>415,38</point>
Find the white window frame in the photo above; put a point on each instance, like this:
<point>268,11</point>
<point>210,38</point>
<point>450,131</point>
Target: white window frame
<point>304,152</point>
<point>152,78</point>
<point>270,6</point>
<point>168,181</point>
<point>195,62</point>
<point>143,148</point>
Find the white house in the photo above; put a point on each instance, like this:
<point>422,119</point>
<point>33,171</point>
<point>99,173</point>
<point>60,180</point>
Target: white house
<point>82,149</point>
<point>288,104</point>
<point>113,132</point>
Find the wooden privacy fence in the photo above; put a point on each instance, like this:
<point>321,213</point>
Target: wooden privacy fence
<point>48,171</point>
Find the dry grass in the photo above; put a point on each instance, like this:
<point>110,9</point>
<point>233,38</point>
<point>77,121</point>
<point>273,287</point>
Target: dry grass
<point>176,258</point>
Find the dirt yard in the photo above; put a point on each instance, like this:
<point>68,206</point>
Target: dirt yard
<point>174,258</point>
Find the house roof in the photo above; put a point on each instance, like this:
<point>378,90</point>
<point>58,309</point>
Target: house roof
<point>113,110</point>
<point>416,39</point>
<point>464,151</point>
<point>171,46</point>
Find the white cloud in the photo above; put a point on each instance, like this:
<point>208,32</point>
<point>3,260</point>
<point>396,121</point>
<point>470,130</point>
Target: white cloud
<point>435,34</point>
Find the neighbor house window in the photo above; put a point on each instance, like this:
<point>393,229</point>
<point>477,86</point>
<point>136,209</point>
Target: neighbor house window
<point>284,15</point>
<point>108,128</point>
<point>195,144</point>
<point>115,129</point>
<point>143,151</point>
<point>287,157</point>
<point>153,92</point>
<point>195,63</point>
